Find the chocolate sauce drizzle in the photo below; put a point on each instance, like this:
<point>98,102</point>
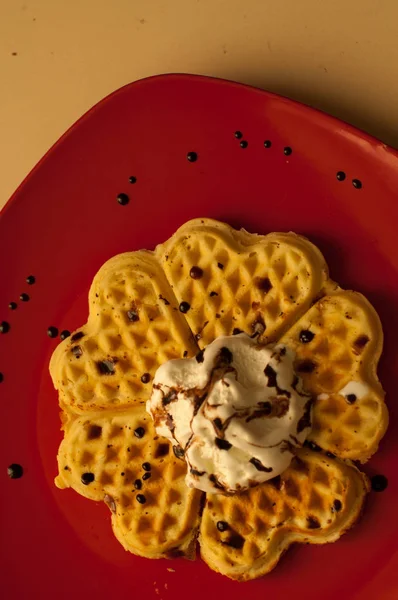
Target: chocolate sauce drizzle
<point>259,465</point>
<point>270,373</point>
<point>305,420</point>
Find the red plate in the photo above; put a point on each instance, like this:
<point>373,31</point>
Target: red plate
<point>64,222</point>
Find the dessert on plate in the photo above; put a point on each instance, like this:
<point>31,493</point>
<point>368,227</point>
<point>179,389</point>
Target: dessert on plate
<point>219,392</point>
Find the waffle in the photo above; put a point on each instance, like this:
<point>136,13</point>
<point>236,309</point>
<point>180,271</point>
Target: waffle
<point>103,446</point>
<point>314,501</point>
<point>248,282</point>
<point>345,347</point>
<point>148,307</point>
<point>134,326</point>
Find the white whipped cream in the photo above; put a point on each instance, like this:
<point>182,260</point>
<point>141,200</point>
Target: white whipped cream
<point>235,411</point>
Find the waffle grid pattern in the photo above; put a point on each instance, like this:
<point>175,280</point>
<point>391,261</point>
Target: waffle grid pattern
<point>276,286</point>
<point>106,445</point>
<point>134,326</point>
<point>269,282</point>
<point>346,345</point>
<point>314,500</point>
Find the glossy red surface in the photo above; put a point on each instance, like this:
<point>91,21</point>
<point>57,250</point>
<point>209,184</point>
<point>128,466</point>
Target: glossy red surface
<point>64,222</point>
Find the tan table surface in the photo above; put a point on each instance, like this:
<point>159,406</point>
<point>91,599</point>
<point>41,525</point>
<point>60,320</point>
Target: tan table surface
<point>58,58</point>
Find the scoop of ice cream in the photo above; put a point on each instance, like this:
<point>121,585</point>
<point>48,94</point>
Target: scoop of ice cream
<point>236,412</point>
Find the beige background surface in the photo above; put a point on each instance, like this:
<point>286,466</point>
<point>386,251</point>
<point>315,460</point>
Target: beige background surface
<point>58,58</point>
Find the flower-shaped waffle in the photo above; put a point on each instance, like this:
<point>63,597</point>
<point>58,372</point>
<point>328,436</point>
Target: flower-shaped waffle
<point>148,307</point>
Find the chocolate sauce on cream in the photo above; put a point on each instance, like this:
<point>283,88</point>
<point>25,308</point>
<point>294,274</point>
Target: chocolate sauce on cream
<point>235,412</point>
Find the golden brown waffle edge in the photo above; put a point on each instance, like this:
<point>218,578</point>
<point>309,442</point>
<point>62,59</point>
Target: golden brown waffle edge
<point>247,282</point>
<point>315,501</point>
<point>344,349</point>
<point>134,325</point>
<point>118,458</point>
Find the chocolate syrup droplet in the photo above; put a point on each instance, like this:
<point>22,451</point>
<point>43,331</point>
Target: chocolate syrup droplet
<point>184,307</point>
<point>196,272</point>
<point>379,483</point>
<point>287,151</point>
<point>87,478</point>
<point>145,378</point>
<point>132,179</point>
<point>351,398</point>
<point>52,332</point>
<point>24,297</point>
<point>31,279</point>
<point>12,305</point>
<point>238,135</point>
<point>267,144</point>
<point>4,327</point>
<point>15,471</point>
<point>139,432</point>
<point>244,144</point>
<point>192,156</point>
<point>337,505</point>
<point>222,526</point>
<point>141,498</point>
<point>306,336</point>
<point>340,175</point>
<point>138,484</point>
<point>64,334</point>
<point>357,184</point>
<point>123,199</point>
